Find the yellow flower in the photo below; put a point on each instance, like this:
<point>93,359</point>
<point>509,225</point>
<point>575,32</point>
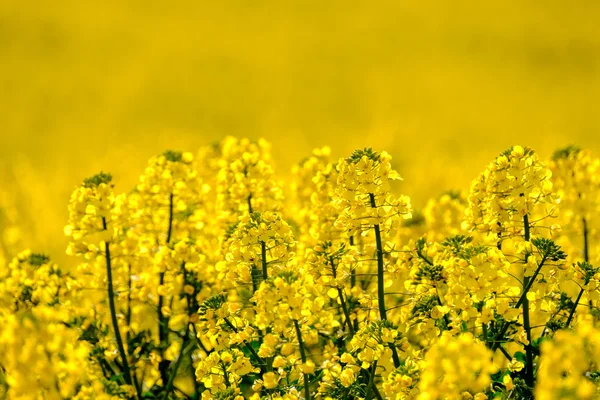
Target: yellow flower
<point>516,366</point>
<point>270,379</point>
<point>347,377</point>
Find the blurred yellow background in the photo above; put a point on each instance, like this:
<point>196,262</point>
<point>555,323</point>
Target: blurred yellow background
<point>442,86</point>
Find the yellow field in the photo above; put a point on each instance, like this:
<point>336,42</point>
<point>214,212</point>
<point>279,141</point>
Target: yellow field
<point>138,262</point>
<point>442,86</point>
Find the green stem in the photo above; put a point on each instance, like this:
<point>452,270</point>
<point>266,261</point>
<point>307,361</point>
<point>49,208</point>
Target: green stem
<point>169,385</point>
<point>250,211</point>
<point>586,248</point>
<point>225,374</point>
<point>572,313</point>
<point>113,314</point>
<point>128,319</point>
<point>128,316</point>
<point>380,266</point>
<point>503,351</point>
<point>263,254</point>
<point>381,282</point>
<point>521,300</point>
<point>352,271</point>
<point>439,300</point>
<point>528,352</point>
<point>249,347</point>
<point>170,229</point>
<point>192,307</point>
<point>485,333</point>
<point>527,282</point>
<point>371,385</point>
<point>342,301</point>
<point>303,357</point>
<point>163,322</point>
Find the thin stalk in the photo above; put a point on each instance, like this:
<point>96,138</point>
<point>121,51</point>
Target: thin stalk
<point>380,280</point>
<point>522,298</point>
<point>371,385</point>
<point>303,357</point>
<point>250,348</point>
<point>353,279</point>
<point>170,229</point>
<point>113,313</point>
<point>225,374</point>
<point>352,271</point>
<point>380,266</point>
<point>250,211</point>
<point>342,301</point>
<point>586,247</point>
<point>529,379</point>
<point>263,254</point>
<point>169,385</point>
<point>346,312</point>
<point>528,282</point>
<point>439,300</point>
<point>572,313</point>
<point>128,319</point>
<point>192,306</point>
<point>485,333</point>
<point>128,316</point>
<point>503,351</point>
<point>163,323</point>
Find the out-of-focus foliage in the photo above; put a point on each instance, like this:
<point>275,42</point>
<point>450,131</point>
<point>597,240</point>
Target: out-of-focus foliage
<point>440,85</point>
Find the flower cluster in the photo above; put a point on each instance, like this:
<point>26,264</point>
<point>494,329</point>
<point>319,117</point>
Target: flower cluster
<point>514,185</point>
<point>205,282</point>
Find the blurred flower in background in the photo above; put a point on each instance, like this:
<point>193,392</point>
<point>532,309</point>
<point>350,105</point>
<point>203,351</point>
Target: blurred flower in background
<point>441,86</point>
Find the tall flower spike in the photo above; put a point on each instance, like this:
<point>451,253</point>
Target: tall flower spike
<point>94,223</point>
<point>576,179</point>
<point>364,193</point>
<point>314,208</point>
<point>90,211</point>
<point>260,243</point>
<point>516,184</point>
<point>245,182</point>
<point>365,197</point>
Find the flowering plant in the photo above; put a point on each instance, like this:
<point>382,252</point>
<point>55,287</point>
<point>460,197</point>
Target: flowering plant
<point>212,279</point>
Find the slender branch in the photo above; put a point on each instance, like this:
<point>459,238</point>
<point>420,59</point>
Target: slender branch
<point>380,266</point>
<point>503,351</point>
<point>439,300</point>
<point>250,211</point>
<point>250,349</point>
<point>572,313</point>
<point>342,300</point>
<point>586,247</point>
<point>485,333</point>
<point>263,254</point>
<point>128,321</point>
<point>128,316</point>
<point>169,384</point>
<point>113,313</point>
<point>381,282</point>
<point>303,357</point>
<point>529,379</point>
<point>163,323</point>
<point>170,229</point>
<point>528,282</point>
<point>352,271</point>
<point>371,387</point>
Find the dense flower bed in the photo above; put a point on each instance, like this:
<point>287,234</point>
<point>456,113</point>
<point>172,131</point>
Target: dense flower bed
<point>213,279</point>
